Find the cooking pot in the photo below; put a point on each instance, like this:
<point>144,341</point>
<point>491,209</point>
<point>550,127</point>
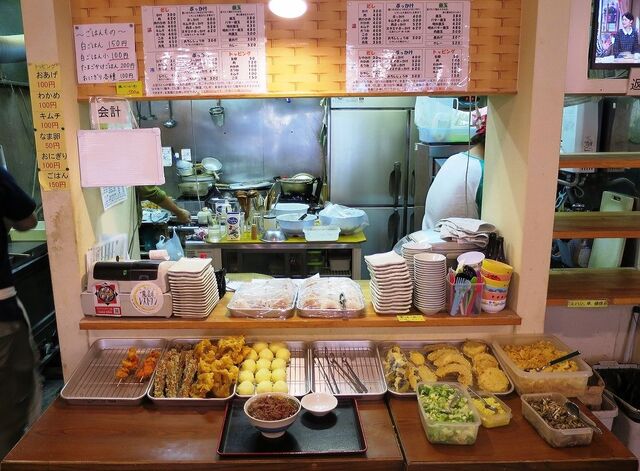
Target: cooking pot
<point>301,185</point>
<point>195,188</point>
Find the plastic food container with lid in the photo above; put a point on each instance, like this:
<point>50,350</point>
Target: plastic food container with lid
<point>556,437</point>
<point>570,383</point>
<point>450,433</point>
<point>489,418</point>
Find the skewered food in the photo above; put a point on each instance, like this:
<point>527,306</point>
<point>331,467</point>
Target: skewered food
<point>128,364</point>
<point>148,365</point>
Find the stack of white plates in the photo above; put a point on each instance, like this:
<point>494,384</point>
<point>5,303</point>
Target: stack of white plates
<point>194,290</point>
<point>410,249</point>
<point>430,282</point>
<point>391,284</point>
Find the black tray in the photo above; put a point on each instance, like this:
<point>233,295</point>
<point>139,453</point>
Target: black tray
<point>339,432</point>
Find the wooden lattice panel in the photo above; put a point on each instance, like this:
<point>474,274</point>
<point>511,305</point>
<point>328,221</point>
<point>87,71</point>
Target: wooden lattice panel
<point>306,56</point>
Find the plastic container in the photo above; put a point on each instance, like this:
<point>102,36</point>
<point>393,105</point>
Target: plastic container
<point>570,383</point>
<point>491,419</point>
<point>608,411</point>
<point>450,433</point>
<point>555,437</point>
<point>441,120</point>
<point>330,297</point>
<point>321,233</point>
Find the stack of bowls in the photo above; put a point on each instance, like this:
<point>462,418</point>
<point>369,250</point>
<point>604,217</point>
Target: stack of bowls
<point>496,276</point>
<point>411,249</point>
<point>429,282</point>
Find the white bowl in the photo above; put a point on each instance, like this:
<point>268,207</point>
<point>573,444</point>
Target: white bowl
<point>290,208</point>
<point>348,224</point>
<point>211,164</point>
<point>319,403</point>
<point>291,225</point>
<point>272,428</point>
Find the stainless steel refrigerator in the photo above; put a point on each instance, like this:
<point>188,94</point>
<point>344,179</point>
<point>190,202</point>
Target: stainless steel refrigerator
<point>372,166</point>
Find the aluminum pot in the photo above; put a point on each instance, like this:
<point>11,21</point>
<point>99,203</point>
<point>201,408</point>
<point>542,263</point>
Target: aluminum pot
<point>195,188</point>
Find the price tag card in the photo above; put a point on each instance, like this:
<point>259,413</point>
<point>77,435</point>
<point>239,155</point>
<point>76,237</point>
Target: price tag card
<point>204,49</point>
<point>416,46</point>
<point>410,318</point>
<point>129,88</point>
<point>105,52</point>
<point>586,303</point>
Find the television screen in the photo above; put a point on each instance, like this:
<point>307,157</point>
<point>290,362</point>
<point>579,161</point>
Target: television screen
<point>614,36</point>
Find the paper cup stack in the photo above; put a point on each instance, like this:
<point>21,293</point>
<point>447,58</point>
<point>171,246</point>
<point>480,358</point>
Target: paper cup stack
<point>391,284</point>
<point>430,282</point>
<point>194,289</point>
<point>411,249</point>
<point>496,276</point>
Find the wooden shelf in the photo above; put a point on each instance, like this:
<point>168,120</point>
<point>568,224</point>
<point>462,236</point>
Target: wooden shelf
<point>590,225</point>
<point>601,160</point>
<point>619,286</point>
<point>219,319</point>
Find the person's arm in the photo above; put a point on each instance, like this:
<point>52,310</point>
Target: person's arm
<point>183,215</point>
<point>25,224</point>
<point>16,207</point>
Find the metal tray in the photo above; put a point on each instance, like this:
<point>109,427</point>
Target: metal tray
<point>337,433</point>
<point>94,380</point>
<point>187,401</point>
<point>430,345</point>
<point>363,357</point>
<point>332,313</point>
<point>260,313</point>
<point>298,377</point>
<point>608,371</point>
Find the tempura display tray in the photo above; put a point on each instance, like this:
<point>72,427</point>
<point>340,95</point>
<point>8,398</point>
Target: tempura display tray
<point>337,433</point>
<point>298,377</point>
<point>187,401</point>
<point>363,358</point>
<point>425,347</point>
<point>94,381</point>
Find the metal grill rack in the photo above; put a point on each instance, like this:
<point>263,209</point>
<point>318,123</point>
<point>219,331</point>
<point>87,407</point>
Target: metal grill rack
<point>356,371</point>
<point>94,380</point>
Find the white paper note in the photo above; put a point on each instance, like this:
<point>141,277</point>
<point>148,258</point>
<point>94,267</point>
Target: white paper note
<point>113,195</point>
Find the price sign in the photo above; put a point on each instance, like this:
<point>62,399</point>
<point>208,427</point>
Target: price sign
<point>587,303</point>
<point>410,318</point>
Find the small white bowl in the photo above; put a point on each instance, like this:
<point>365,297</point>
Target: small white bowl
<point>319,403</point>
<point>272,428</point>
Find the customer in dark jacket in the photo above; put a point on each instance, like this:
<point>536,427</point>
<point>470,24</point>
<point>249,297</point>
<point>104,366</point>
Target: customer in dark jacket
<point>626,39</point>
<point>19,384</point>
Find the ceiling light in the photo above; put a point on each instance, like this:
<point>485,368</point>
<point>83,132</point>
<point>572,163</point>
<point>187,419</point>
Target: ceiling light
<point>288,8</point>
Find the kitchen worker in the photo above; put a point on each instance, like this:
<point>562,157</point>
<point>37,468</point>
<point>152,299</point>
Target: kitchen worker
<point>20,391</point>
<point>159,197</point>
<point>456,190</point>
<point>626,39</point>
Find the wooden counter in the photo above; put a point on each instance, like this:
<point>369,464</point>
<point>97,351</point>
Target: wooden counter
<point>514,447</point>
<point>149,438</point>
<point>219,319</point>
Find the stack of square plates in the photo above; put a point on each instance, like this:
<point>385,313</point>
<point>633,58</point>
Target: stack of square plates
<point>410,249</point>
<point>429,274</point>
<point>194,290</point>
<point>391,284</point>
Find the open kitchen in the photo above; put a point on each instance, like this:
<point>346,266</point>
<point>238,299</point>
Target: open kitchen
<point>353,235</point>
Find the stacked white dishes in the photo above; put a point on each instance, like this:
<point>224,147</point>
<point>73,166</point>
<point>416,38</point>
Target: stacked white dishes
<point>391,284</point>
<point>194,289</point>
<point>430,282</point>
<point>411,249</point>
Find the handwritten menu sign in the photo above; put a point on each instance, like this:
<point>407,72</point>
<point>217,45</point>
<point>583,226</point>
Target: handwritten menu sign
<point>204,49</point>
<point>105,53</point>
<point>48,124</point>
<point>415,46</point>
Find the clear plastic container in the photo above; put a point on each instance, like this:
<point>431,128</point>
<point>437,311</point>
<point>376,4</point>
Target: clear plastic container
<point>556,437</point>
<point>570,383</point>
<point>467,300</point>
<point>321,233</point>
<point>273,298</point>
<point>450,433</point>
<point>489,418</point>
<point>330,297</point>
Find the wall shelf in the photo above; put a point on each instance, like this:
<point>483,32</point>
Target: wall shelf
<point>619,286</point>
<point>601,160</point>
<point>603,224</point>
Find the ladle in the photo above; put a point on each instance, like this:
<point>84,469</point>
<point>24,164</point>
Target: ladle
<point>574,410</point>
<point>553,362</point>
<point>170,123</point>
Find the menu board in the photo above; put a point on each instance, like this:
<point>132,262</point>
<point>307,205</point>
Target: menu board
<point>105,53</point>
<point>417,46</point>
<point>204,49</point>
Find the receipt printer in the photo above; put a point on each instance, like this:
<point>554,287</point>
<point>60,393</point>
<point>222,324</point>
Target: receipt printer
<point>138,288</point>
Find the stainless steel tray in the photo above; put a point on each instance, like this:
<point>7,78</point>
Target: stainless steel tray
<point>298,377</point>
<point>94,380</point>
<point>187,401</point>
<point>336,312</point>
<point>430,345</point>
<point>363,357</point>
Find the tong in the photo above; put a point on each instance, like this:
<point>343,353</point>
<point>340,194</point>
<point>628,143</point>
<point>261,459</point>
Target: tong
<point>348,374</point>
<point>343,301</point>
<point>324,375</point>
<point>331,375</point>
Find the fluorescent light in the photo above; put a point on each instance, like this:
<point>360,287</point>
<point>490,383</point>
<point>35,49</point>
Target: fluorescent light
<point>288,8</point>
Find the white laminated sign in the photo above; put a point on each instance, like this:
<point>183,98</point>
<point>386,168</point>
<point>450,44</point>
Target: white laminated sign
<point>417,46</point>
<point>204,49</point>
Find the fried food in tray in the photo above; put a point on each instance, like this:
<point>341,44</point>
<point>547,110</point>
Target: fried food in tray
<point>199,370</point>
<point>539,354</point>
<point>471,363</point>
<point>330,297</point>
<point>130,366</point>
<point>264,298</point>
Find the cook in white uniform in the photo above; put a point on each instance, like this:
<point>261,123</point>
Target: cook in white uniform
<point>456,190</point>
